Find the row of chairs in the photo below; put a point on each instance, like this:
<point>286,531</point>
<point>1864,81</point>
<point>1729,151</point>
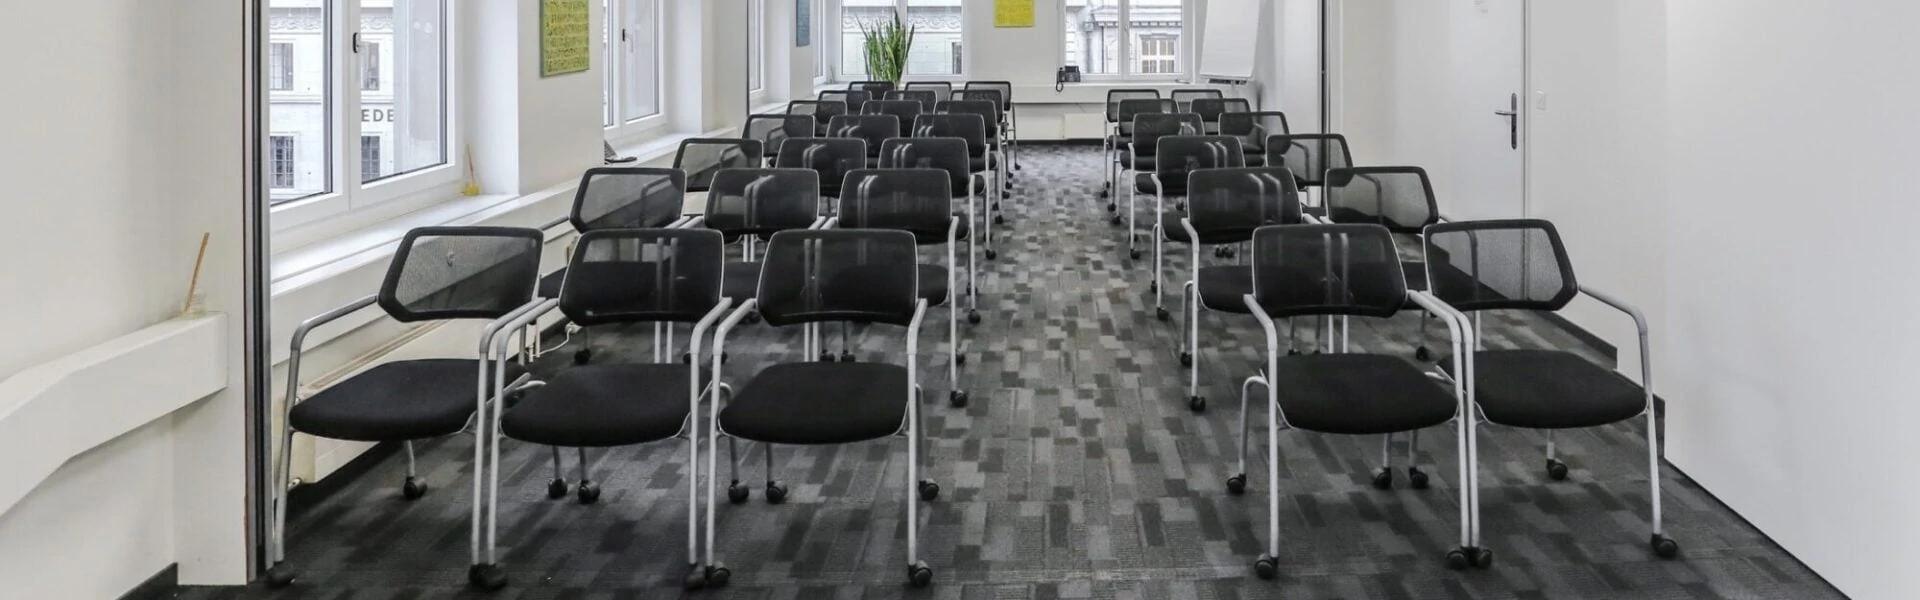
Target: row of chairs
<point>1000,91</point>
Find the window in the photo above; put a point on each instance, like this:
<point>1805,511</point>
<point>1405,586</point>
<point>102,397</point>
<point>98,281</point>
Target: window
<point>756,46</point>
<point>1125,38</point>
<point>939,39</point>
<point>280,161</point>
<point>346,71</point>
<point>818,34</point>
<point>632,44</point>
<point>280,66</point>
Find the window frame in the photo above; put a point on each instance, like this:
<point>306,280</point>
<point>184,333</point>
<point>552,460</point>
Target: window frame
<point>343,96</point>
<point>757,51</point>
<point>838,57</point>
<point>1130,65</point>
<point>627,128</point>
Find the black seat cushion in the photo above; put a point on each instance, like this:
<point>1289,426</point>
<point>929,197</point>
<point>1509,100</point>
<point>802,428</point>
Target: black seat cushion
<point>1143,183</point>
<point>1224,288</point>
<point>930,238</point>
<point>1359,394</point>
<point>740,281</point>
<point>1254,157</point>
<point>396,401</point>
<point>1544,389</point>
<point>550,285</point>
<point>819,403</point>
<point>980,164</point>
<point>1143,164</point>
<point>933,284</point>
<point>1170,223</point>
<point>596,406</point>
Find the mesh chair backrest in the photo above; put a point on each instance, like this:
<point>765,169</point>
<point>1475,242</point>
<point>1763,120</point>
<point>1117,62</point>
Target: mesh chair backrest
<point>702,157</point>
<point>987,110</point>
<point>1131,110</point>
<point>821,111</point>
<point>839,275</point>
<point>1514,263</point>
<point>1148,128</point>
<point>770,130</point>
<point>1183,99</point>
<point>872,128</point>
<point>1210,109</point>
<point>1398,198</point>
<point>1116,96</point>
<point>831,158</point>
<point>928,99</point>
<point>756,201</point>
<point>947,154</point>
<point>1253,127</point>
<point>642,275</point>
<point>853,98</point>
<point>904,110</point>
<point>461,273</point>
<point>1233,202</point>
<point>1178,156</point>
<point>1327,270</point>
<point>874,89</point>
<point>1310,155</point>
<point>997,97</point>
<point>969,127</point>
<point>1005,88</point>
<point>918,201</point>
<point>941,89</point>
<point>627,197</point>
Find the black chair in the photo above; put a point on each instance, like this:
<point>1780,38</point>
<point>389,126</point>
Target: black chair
<point>941,89</point>
<point>874,129</point>
<point>821,111</point>
<point>850,275</point>
<point>1397,198</point>
<point>1253,128</point>
<point>989,111</point>
<point>437,274</point>
<point>1340,270</point>
<point>874,89</point>
<point>621,198</point>
<point>1012,123</point>
<point>1521,264</point>
<point>904,110</point>
<point>830,157</point>
<point>928,99</point>
<point>982,161</point>
<point>1225,206</point>
<point>918,201</point>
<point>1118,131</point>
<point>627,276</point>
<point>1176,159</point>
<point>1183,98</point>
<point>700,158</point>
<point>948,154</point>
<point>1310,156</point>
<point>752,205</point>
<point>770,130</point>
<point>1210,110</point>
<point>854,98</point>
<point>1131,110</point>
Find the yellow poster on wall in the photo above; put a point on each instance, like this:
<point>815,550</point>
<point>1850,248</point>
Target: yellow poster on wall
<point>566,40</point>
<point>1012,13</point>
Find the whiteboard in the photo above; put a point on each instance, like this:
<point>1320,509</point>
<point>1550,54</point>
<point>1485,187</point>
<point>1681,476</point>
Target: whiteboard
<point>1228,39</point>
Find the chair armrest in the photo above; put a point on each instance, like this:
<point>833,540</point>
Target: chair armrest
<point>300,339</point>
<point>720,343</point>
<point>1461,333</point>
<point>1639,324</point>
<point>693,222</point>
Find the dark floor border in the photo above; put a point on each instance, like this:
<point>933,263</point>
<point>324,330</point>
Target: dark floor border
<point>1689,480</point>
<point>308,494</point>
<point>160,585</point>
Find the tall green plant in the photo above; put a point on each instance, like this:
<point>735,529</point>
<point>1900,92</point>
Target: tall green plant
<point>887,44</point>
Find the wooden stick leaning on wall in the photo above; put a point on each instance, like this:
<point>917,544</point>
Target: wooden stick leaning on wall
<point>193,285</point>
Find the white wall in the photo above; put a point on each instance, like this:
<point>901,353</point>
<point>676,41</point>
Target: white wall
<point>108,212</point>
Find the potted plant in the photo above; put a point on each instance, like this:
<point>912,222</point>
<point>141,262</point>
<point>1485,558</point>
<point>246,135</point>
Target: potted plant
<point>887,44</point>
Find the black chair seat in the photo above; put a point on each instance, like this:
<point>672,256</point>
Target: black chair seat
<point>930,238</point>
<point>1143,164</point>
<point>1544,389</point>
<point>1224,288</point>
<point>1359,394</point>
<point>1170,223</point>
<point>981,164</point>
<point>740,280</point>
<point>396,401</point>
<point>597,406</point>
<point>1143,183</point>
<point>550,285</point>
<point>1254,158</point>
<point>933,284</point>
<point>819,403</point>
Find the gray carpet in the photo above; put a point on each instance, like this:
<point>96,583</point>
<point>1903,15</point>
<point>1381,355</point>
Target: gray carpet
<point>1077,472</point>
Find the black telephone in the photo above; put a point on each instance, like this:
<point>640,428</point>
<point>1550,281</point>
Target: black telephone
<point>1067,74</point>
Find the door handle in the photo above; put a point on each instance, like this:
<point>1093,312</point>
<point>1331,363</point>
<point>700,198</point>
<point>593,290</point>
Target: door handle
<point>1513,120</point>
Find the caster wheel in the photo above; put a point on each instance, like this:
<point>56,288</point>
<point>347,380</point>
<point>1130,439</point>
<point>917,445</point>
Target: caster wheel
<point>696,578</point>
<point>1226,253</point>
<point>1556,470</point>
<point>999,220</point>
<point>413,489</point>
<point>1153,287</point>
<point>1115,221</point>
<point>919,575</point>
<point>957,398</point>
<point>996,206</point>
<point>1133,254</point>
<point>1457,559</point>
<point>487,577</point>
<point>1197,404</point>
<point>1266,567</point>
<point>826,357</point>
<point>718,576</point>
<point>1005,196</point>
<point>1482,558</point>
<point>1186,359</point>
<point>1162,314</point>
<point>960,359</point>
<point>280,575</point>
<point>846,357</point>
<point>737,494</point>
<point>1111,207</point>
<point>686,358</point>
<point>973,317</point>
<point>993,254</point>
<point>1665,547</point>
<point>1423,354</point>
<point>589,492</point>
<point>1417,478</point>
<point>929,491</point>
<point>752,318</point>
<point>776,494</point>
<point>557,489</point>
<point>1383,480</point>
<point>584,356</point>
<point>1105,194</point>
<point>1293,353</point>
<point>1237,485</point>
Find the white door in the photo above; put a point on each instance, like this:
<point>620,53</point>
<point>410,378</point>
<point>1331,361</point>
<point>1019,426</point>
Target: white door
<point>1487,174</point>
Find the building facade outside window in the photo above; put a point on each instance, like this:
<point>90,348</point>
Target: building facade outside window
<point>280,162</point>
<point>280,66</point>
<point>1125,38</point>
<point>370,165</point>
<point>939,44</point>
